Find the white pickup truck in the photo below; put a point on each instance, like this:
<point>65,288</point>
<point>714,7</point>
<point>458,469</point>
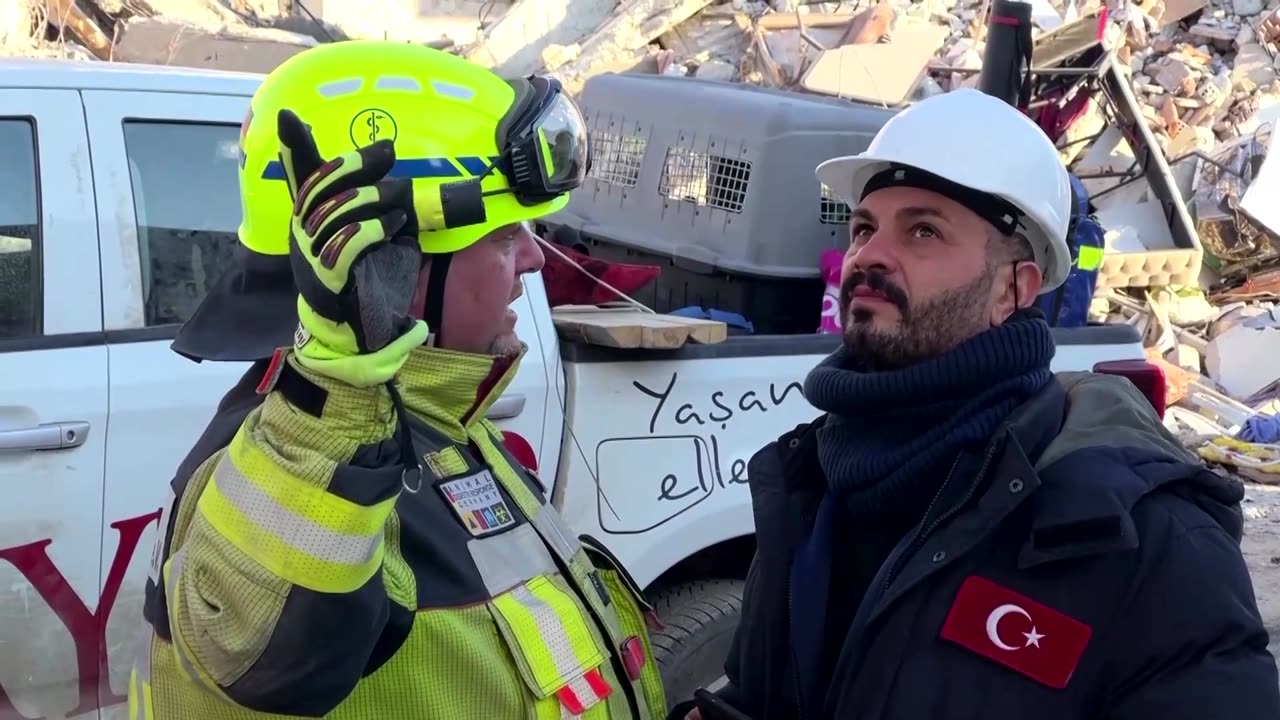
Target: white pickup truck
<point>119,207</point>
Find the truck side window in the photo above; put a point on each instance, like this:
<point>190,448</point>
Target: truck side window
<point>20,311</point>
<point>187,201</point>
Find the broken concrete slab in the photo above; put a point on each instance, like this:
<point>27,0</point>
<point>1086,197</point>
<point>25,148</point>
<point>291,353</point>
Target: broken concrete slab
<point>1206,31</point>
<point>1232,356</point>
<point>209,13</point>
<point>716,70</point>
<point>167,42</point>
<point>880,74</point>
<point>630,29</point>
<point>1171,11</point>
<point>719,36</point>
<point>1253,62</point>
<point>792,53</point>
<point>514,44</point>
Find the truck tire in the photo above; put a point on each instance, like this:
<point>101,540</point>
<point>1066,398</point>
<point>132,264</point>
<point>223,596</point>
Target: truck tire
<point>698,619</point>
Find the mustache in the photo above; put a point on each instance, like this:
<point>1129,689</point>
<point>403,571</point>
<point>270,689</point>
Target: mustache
<point>877,282</point>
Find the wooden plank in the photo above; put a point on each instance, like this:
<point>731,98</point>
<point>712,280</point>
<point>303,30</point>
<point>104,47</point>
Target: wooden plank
<point>788,21</point>
<point>704,332</point>
<point>630,328</point>
<point>66,16</point>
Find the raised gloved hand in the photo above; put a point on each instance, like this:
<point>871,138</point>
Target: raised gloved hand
<point>353,245</point>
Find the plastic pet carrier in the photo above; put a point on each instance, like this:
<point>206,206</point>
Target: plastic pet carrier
<point>715,183</point>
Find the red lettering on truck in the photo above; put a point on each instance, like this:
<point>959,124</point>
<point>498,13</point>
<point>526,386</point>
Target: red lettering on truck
<point>88,629</point>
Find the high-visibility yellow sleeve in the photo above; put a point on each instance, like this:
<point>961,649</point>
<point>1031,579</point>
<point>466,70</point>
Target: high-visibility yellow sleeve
<point>275,589</point>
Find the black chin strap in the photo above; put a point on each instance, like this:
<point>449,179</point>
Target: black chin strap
<point>433,308</point>
<point>1016,307</point>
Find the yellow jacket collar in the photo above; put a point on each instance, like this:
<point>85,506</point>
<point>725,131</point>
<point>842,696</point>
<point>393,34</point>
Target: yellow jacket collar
<point>453,390</point>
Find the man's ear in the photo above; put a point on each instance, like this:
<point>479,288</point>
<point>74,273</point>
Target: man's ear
<point>1029,282</point>
<point>1024,278</point>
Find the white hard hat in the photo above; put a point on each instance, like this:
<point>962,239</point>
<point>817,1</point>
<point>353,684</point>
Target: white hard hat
<point>981,144</point>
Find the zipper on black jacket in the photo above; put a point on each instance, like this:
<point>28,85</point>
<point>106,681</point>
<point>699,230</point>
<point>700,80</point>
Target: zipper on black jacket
<point>923,532</point>
<point>795,664</point>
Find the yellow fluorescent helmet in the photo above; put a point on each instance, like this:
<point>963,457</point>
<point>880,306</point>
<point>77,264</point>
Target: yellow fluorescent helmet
<point>442,111</point>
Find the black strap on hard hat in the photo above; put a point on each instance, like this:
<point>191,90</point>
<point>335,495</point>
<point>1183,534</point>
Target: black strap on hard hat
<point>433,307</point>
<point>1002,214</point>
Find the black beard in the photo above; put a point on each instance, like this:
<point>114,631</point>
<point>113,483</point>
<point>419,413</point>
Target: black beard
<point>925,330</point>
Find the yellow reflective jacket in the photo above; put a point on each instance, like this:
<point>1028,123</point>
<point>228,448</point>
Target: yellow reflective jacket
<point>302,573</point>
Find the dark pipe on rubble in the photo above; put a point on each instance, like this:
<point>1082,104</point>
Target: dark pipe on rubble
<point>1006,62</point>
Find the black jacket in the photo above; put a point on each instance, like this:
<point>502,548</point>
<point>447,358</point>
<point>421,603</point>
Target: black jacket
<point>1088,508</point>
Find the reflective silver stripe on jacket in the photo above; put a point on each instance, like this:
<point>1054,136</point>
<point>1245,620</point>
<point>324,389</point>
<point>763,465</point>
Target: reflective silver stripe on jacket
<point>299,533</point>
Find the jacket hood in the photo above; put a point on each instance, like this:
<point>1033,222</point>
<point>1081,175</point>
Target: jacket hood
<point>1110,451</point>
<point>251,310</point>
<point>1108,411</point>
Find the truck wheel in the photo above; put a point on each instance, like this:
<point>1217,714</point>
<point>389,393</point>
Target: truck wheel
<point>698,620</point>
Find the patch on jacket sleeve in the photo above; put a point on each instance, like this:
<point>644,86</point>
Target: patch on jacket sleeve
<point>477,503</point>
<point>1016,632</point>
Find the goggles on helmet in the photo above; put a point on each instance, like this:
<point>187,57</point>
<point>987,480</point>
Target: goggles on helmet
<point>543,151</point>
<point>543,142</point>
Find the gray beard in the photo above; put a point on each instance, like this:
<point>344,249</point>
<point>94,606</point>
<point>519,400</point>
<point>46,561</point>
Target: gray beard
<point>506,346</point>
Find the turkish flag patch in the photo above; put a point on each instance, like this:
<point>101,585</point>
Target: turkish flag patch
<point>1016,632</point>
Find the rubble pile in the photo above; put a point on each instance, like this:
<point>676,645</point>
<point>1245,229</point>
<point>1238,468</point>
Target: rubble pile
<point>243,35</point>
<point>1168,126</point>
<point>1198,68</point>
<point>1203,73</point>
<point>1200,77</point>
<point>1207,81</point>
<point>1192,247</point>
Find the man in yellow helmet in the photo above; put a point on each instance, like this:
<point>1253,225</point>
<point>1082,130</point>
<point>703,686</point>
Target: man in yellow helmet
<point>350,539</point>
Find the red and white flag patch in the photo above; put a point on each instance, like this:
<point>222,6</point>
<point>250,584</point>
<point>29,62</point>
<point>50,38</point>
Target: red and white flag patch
<point>1016,632</point>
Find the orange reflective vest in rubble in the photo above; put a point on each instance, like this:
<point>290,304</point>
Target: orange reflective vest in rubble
<point>303,574</point>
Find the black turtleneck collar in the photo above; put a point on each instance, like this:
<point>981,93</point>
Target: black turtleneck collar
<point>891,436</point>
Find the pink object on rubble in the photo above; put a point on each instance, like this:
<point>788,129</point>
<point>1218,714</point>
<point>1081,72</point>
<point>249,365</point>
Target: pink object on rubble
<point>829,264</point>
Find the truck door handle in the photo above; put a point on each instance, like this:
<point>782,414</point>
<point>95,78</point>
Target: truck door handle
<point>507,406</point>
<point>51,436</point>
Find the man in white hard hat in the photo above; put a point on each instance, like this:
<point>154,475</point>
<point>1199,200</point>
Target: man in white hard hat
<point>962,533</point>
